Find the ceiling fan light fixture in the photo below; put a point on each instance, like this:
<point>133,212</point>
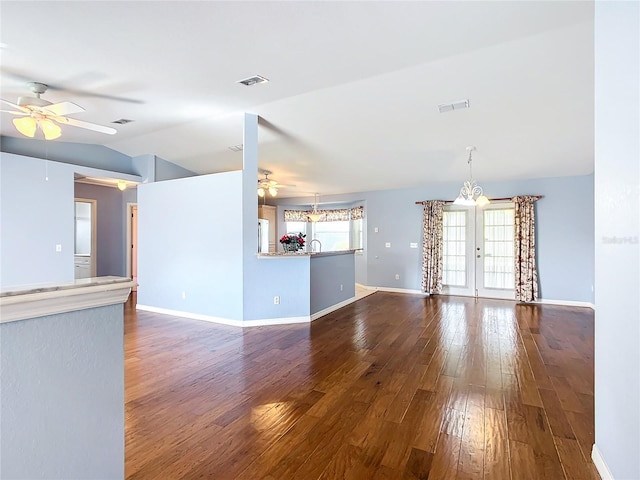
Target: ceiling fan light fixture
<point>273,191</point>
<point>51,130</point>
<point>26,126</point>
<point>260,192</point>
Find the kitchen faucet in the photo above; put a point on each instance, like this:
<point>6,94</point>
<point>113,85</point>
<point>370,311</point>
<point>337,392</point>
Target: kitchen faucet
<point>319,245</point>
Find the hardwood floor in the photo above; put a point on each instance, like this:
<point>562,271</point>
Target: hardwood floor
<point>393,386</point>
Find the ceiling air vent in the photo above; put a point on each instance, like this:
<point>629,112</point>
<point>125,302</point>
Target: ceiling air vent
<point>449,107</point>
<point>253,80</point>
<point>236,148</point>
<point>122,121</point>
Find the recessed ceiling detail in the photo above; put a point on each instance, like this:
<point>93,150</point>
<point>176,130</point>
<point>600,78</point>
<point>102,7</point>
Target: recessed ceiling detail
<point>449,107</point>
<point>256,79</point>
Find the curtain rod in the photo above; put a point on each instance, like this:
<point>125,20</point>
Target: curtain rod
<point>537,197</point>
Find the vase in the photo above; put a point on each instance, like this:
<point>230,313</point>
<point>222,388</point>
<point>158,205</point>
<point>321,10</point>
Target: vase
<point>290,247</point>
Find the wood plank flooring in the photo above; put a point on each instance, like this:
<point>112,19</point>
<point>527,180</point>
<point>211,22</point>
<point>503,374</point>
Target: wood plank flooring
<point>392,386</point>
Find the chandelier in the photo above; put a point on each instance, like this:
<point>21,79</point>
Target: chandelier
<point>471,193</point>
<point>315,216</point>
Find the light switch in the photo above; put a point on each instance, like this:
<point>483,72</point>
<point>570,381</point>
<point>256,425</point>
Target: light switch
<point>58,248</point>
<point>387,245</point>
<point>375,230</point>
<point>413,245</point>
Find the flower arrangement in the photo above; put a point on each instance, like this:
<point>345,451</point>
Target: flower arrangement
<point>292,242</point>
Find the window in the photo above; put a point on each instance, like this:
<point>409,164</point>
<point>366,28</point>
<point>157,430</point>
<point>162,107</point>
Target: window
<point>338,233</point>
<point>498,248</point>
<point>296,227</point>
<point>333,235</point>
<point>454,248</point>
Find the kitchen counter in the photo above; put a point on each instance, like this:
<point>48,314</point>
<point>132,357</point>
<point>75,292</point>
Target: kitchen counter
<point>304,254</point>
<point>62,359</point>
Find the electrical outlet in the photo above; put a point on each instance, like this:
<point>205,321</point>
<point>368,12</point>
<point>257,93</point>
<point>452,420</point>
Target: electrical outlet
<point>387,245</point>
<point>397,277</point>
<point>184,295</point>
<point>276,300</point>
<point>58,248</point>
<point>413,245</point>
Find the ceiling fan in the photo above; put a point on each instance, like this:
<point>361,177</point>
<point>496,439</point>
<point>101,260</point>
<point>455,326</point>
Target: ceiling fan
<point>37,112</point>
<point>267,184</point>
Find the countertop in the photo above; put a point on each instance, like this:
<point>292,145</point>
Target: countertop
<point>304,254</point>
<point>42,300</point>
<point>54,287</point>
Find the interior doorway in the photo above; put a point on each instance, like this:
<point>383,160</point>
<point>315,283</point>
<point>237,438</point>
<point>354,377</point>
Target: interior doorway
<point>479,251</point>
<point>132,243</point>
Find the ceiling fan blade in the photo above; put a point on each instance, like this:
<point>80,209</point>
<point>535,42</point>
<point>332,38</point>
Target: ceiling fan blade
<point>22,109</point>
<point>13,112</point>
<point>89,126</point>
<point>8,71</point>
<point>63,108</point>
<point>84,93</point>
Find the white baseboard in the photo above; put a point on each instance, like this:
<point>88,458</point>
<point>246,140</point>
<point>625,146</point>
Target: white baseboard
<point>392,290</point>
<point>600,464</point>
<point>366,287</point>
<point>543,301</point>
<point>226,321</point>
<point>566,303</point>
<point>332,308</point>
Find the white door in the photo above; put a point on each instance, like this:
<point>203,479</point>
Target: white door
<point>478,251</point>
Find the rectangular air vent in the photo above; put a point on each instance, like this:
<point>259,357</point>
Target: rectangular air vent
<point>236,148</point>
<point>449,107</point>
<point>253,80</point>
<point>122,121</point>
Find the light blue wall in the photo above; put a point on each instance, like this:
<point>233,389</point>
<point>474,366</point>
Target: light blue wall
<point>87,155</point>
<point>145,166</point>
<point>190,240</point>
<point>332,280</point>
<point>564,235</point>
<point>617,234</point>
<point>169,171</point>
<point>62,396</point>
<point>111,253</point>
<point>264,279</point>
<point>36,214</point>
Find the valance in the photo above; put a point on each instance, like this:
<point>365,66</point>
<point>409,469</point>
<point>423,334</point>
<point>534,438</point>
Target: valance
<point>334,215</point>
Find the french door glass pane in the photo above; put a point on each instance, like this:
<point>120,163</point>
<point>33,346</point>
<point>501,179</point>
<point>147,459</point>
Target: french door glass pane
<point>454,248</point>
<point>498,248</point>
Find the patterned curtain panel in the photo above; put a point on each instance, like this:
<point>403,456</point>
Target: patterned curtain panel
<point>524,242</point>
<point>336,215</point>
<point>357,213</point>
<point>432,257</point>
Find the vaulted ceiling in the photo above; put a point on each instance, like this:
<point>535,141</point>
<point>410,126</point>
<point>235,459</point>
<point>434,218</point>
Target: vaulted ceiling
<point>351,104</point>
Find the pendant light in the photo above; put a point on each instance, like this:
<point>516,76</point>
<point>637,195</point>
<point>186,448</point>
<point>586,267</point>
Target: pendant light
<point>471,193</point>
<point>315,216</point>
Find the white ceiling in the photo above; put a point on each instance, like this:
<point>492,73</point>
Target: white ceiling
<point>354,86</point>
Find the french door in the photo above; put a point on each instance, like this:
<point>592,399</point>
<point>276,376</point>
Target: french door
<point>478,251</point>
